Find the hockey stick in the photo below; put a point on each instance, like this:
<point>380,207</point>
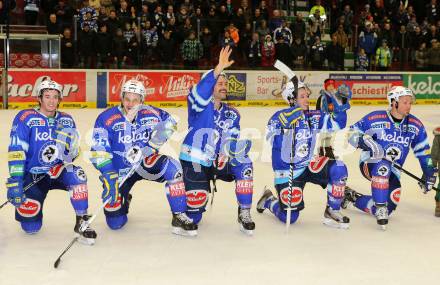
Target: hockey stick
<point>25,189</point>
<point>420,180</point>
<point>87,223</point>
<point>292,77</point>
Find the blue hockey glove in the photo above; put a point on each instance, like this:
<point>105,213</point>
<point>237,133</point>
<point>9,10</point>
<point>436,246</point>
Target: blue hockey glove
<point>289,117</point>
<point>430,180</point>
<point>15,191</point>
<point>110,187</point>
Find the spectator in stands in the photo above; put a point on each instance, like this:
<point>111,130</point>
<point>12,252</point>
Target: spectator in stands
<point>67,49</point>
<point>133,16</point>
<point>108,5</point>
<point>254,51</point>
<point>318,7</point>
<point>284,32</point>
<point>335,54</point>
<point>123,13</point>
<point>298,27</point>
<point>130,36</point>
<point>233,33</point>
<point>275,21</point>
<point>95,4</point>
<point>238,19</point>
<point>264,10</point>
<point>245,39</point>
<point>167,50</point>
<point>229,8</point>
<point>317,54</point>
<point>368,41</point>
<point>299,53</point>
<point>64,14</point>
<point>432,12</point>
<point>170,12</point>
<point>86,46</point>
<point>88,15</point>
<point>3,11</point>
<point>383,56</point>
<point>31,9</point>
<point>223,18</point>
<point>362,62</point>
<point>378,11</point>
<point>247,13</point>
<point>102,16</point>
<point>150,39</point>
<point>316,25</point>
<point>119,49</point>
<point>412,24</point>
<point>421,57</point>
<point>267,52</point>
<point>257,18</point>
<point>431,35</point>
<point>402,45</point>
<point>192,51</point>
<point>212,22</point>
<point>434,55</point>
<point>341,37</point>
<point>263,30</point>
<point>182,15</point>
<point>282,51</point>
<point>348,19</point>
<point>113,23</point>
<point>144,15</point>
<point>53,25</point>
<point>103,45</point>
<point>186,29</point>
<point>198,16</point>
<point>416,39</point>
<point>207,42</point>
<point>387,34</point>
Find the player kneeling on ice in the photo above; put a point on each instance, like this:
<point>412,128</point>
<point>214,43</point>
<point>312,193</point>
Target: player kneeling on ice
<point>294,130</point>
<point>128,137</point>
<point>211,149</point>
<point>385,138</point>
<point>44,143</point>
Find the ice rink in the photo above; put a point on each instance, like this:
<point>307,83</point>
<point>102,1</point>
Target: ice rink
<point>145,251</point>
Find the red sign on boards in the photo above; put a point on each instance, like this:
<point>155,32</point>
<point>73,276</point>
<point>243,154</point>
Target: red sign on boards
<point>159,86</point>
<point>23,85</point>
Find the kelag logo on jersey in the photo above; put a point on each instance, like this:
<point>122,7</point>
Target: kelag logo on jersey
<point>43,136</point>
<point>134,137</point>
<point>394,138</point>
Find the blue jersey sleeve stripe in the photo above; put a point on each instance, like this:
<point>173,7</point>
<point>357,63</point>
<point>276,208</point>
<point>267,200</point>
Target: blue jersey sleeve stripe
<point>194,105</point>
<point>199,99</point>
<point>421,145</point>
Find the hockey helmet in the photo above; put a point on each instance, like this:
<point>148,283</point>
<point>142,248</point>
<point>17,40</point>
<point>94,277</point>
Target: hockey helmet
<point>49,84</point>
<point>398,91</point>
<point>288,92</point>
<point>133,86</point>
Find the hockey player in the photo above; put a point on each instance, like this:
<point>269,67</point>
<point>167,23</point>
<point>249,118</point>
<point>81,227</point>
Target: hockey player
<point>385,138</point>
<point>44,143</point>
<point>435,153</point>
<point>129,136</point>
<point>295,128</point>
<point>211,149</point>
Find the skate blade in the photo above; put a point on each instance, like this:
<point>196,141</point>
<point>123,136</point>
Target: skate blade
<point>333,224</point>
<point>84,240</point>
<point>383,227</point>
<point>245,231</point>
<point>182,232</point>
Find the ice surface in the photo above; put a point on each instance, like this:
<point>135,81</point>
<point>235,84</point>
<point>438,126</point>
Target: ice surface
<point>145,251</point>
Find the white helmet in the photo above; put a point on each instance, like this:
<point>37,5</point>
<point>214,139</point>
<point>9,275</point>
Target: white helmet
<point>133,86</point>
<point>49,84</point>
<point>289,91</point>
<point>398,91</point>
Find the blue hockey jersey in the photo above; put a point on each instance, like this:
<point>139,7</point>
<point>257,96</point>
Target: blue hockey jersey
<point>305,132</point>
<point>209,129</point>
<point>396,138</point>
<point>33,148</point>
<point>119,144</point>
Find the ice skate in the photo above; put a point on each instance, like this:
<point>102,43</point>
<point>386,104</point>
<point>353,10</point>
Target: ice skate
<point>267,194</point>
<point>247,226</point>
<point>350,197</point>
<point>88,236</point>
<point>382,216</point>
<point>183,225</point>
<point>335,219</point>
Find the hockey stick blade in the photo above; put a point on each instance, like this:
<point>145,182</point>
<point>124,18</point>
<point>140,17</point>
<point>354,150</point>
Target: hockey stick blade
<point>284,69</point>
<point>58,261</point>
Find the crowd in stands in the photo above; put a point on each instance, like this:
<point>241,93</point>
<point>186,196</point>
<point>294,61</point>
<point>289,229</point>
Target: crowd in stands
<point>380,34</point>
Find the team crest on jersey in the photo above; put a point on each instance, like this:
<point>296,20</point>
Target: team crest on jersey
<point>318,163</point>
<point>196,198</point>
<point>383,170</point>
<point>48,154</point>
<point>393,152</point>
<point>133,155</point>
<point>229,114</point>
<point>36,122</point>
<point>395,195</point>
<point>302,150</point>
<point>29,209</point>
<point>296,198</point>
<point>247,173</point>
<point>80,174</point>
